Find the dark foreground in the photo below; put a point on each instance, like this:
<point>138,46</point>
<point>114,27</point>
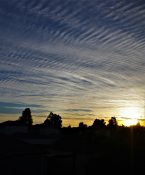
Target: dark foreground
<point>74,151</point>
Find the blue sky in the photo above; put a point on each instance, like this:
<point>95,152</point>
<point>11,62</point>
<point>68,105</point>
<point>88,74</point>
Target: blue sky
<point>81,59</point>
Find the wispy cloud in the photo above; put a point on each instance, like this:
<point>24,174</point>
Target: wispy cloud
<point>73,54</point>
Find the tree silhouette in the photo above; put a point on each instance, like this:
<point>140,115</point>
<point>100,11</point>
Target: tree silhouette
<point>99,123</point>
<point>26,118</point>
<point>112,123</point>
<point>53,120</point>
<point>82,125</point>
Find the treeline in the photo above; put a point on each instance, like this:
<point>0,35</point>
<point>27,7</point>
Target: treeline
<point>100,123</point>
<point>55,121</point>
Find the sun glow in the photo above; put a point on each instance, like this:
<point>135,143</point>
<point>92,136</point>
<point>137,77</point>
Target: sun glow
<point>130,122</point>
<point>131,115</point>
<point>131,112</point>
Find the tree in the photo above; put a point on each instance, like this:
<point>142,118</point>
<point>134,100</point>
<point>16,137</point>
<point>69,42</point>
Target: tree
<point>82,125</point>
<point>112,123</point>
<point>26,118</point>
<point>99,123</point>
<point>53,120</point>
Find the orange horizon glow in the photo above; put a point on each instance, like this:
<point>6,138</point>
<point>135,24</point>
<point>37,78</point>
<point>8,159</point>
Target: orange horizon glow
<point>126,116</point>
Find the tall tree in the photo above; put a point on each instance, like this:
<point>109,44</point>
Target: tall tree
<point>112,123</point>
<point>53,120</point>
<point>26,118</point>
<point>99,123</point>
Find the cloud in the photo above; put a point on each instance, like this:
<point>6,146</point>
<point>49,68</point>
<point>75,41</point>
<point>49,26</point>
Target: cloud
<point>15,108</point>
<point>76,54</point>
<point>78,110</point>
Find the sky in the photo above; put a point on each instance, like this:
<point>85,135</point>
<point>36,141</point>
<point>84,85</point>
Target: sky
<point>81,59</point>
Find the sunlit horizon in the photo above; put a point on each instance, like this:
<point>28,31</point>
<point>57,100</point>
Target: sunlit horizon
<point>80,59</point>
<point>126,116</point>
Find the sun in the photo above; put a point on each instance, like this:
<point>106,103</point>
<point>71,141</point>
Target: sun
<point>130,122</point>
<point>131,115</point>
<point>131,112</point>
